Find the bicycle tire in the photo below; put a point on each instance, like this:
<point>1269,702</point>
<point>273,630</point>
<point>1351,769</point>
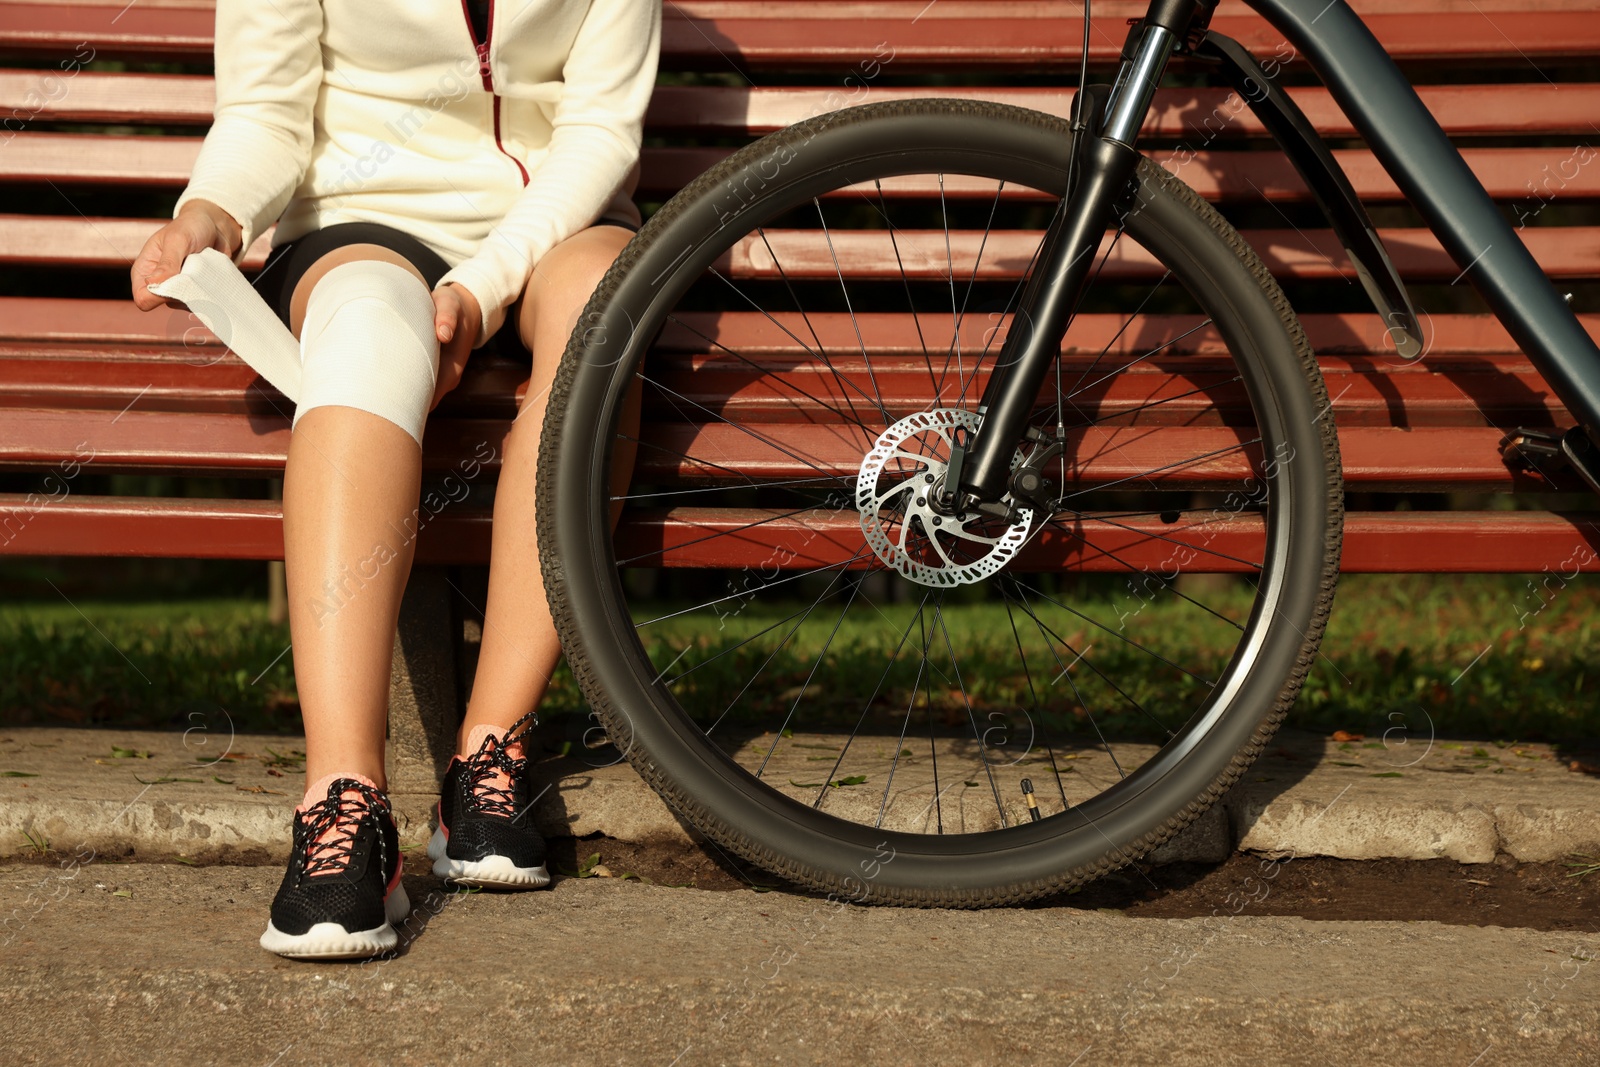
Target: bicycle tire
<point>758,820</point>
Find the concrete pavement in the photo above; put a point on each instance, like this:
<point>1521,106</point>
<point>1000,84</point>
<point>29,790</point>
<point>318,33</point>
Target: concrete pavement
<point>216,796</point>
<point>113,964</point>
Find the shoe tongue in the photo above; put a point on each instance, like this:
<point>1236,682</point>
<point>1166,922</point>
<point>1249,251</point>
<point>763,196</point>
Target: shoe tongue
<point>345,825</point>
<point>317,791</point>
<point>480,734</point>
<point>497,778</point>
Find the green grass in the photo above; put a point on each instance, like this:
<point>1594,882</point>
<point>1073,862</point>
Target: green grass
<point>146,664</point>
<point>1444,654</point>
<point>1489,656</point>
<point>1415,655</point>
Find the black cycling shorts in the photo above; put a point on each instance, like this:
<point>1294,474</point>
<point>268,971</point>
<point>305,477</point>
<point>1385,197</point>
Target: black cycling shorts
<point>287,263</point>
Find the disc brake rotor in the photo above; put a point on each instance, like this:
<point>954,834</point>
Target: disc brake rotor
<point>894,495</point>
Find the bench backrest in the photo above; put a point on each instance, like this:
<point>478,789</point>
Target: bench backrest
<point>1514,81</point>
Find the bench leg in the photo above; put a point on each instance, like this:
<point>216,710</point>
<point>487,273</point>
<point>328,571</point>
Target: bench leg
<point>425,706</point>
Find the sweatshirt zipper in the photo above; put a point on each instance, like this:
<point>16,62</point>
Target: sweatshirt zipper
<point>482,48</point>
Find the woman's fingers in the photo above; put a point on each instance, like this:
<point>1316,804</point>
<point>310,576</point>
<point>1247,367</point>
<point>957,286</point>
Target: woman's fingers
<point>453,357</point>
<point>455,342</point>
<point>179,242</point>
<point>162,256</point>
<point>446,313</point>
<point>144,272</point>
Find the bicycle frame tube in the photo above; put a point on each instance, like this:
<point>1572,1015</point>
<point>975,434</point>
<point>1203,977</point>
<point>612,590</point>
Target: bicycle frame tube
<point>1429,170</point>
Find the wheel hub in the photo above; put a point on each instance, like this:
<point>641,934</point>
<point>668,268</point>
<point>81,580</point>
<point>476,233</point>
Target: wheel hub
<point>896,496</point>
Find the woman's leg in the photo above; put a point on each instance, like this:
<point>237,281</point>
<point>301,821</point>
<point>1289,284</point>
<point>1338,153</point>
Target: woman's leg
<point>520,649</point>
<point>350,487</point>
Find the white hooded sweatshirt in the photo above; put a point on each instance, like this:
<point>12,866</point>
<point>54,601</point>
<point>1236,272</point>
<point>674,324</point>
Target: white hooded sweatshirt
<point>391,111</point>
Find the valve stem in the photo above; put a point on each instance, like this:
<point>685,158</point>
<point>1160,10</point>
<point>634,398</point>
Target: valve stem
<point>1027,794</point>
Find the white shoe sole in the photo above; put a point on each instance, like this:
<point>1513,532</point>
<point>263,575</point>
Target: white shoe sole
<point>331,941</point>
<point>496,872</point>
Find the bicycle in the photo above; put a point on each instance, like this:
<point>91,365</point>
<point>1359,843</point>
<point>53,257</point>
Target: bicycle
<point>982,736</point>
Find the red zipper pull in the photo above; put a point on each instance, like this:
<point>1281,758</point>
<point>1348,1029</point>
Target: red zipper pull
<point>483,65</point>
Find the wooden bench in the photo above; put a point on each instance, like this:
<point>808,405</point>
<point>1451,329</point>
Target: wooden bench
<point>88,380</point>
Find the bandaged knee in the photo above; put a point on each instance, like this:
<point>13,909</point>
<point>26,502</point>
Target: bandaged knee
<point>367,342</point>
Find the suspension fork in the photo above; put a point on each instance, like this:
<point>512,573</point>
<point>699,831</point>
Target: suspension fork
<point>1103,161</point>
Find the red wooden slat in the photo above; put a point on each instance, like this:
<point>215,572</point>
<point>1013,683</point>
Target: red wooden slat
<point>839,36</point>
<point>1057,43</point>
<point>1197,115</point>
<point>1379,457</point>
<point>93,159</point>
<point>113,323</point>
<point>1168,392</point>
<point>1114,11</point>
<point>1468,376</point>
<point>186,442</point>
<point>1493,542</point>
<point>1496,541</point>
<point>785,334</point>
<point>89,241</point>
<point>1440,391</point>
<point>59,30</point>
<point>182,528</point>
<point>212,379</point>
<point>1567,252</point>
<point>1535,175</point>
<point>1393,459</point>
<point>1374,542</point>
<point>93,96</point>
<point>1490,394</point>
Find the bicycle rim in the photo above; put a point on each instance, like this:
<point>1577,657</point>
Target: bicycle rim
<point>780,634</point>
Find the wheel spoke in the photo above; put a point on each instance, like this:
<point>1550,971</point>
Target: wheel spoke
<point>1120,331</point>
<point>1141,358</point>
<point>966,702</point>
<point>820,353</point>
<point>1051,640</point>
<point>1207,682</point>
<point>795,577</point>
<point>1066,528</point>
<point>768,662</point>
<point>742,428</point>
<point>744,528</point>
<point>844,751</point>
<point>1175,465</point>
<point>845,289</point>
<point>741,357</point>
<point>1033,696</point>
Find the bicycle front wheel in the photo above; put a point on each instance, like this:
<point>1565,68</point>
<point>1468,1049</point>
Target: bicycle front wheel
<point>813,663</point>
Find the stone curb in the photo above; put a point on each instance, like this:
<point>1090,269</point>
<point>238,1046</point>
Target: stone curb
<point>1306,796</point>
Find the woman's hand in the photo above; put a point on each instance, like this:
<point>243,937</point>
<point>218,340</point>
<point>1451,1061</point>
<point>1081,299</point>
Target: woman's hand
<point>457,320</point>
<point>199,225</point>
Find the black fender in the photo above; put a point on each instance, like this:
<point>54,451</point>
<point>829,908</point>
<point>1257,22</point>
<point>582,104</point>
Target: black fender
<point>1327,181</point>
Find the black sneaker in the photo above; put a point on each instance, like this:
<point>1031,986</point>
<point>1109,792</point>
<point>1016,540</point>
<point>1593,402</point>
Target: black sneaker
<point>342,889</point>
<point>486,835</point>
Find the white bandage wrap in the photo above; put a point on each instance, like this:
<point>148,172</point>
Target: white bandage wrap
<point>222,298</point>
<point>367,342</point>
